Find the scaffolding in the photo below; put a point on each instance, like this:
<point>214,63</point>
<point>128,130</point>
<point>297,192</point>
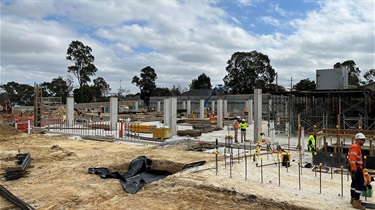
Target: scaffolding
<point>43,106</point>
<point>355,108</point>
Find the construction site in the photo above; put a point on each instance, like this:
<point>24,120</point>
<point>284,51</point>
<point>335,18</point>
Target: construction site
<point>182,153</point>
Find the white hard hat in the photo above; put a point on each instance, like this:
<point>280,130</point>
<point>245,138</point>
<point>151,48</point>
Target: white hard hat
<point>238,117</point>
<point>360,136</point>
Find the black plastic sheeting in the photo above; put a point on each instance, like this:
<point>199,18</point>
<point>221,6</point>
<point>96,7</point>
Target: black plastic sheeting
<point>139,173</point>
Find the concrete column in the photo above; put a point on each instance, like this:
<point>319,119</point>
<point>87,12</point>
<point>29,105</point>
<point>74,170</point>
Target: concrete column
<point>183,104</point>
<point>220,113</point>
<point>166,112</point>
<point>136,106</point>
<point>201,109</point>
<point>225,109</point>
<point>113,111</point>
<point>70,111</point>
<point>249,109</point>
<point>188,107</point>
<point>257,113</point>
<point>158,106</point>
<point>173,114</point>
<point>212,106</point>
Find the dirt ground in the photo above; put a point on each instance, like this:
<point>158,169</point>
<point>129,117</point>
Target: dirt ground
<point>58,176</point>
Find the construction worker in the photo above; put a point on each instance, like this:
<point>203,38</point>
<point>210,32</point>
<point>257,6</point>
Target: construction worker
<point>243,126</point>
<point>266,141</point>
<point>63,119</point>
<point>356,167</point>
<point>235,128</point>
<point>311,143</point>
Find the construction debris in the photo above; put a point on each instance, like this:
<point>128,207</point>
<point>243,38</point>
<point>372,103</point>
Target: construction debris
<point>16,172</point>
<point>12,198</point>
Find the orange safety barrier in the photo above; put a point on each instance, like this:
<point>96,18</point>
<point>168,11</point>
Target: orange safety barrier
<point>121,131</point>
<point>22,126</point>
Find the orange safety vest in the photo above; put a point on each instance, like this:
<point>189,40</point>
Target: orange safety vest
<point>355,156</point>
<point>236,125</point>
<point>367,177</point>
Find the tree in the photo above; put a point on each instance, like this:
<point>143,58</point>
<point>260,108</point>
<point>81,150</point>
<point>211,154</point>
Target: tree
<point>162,91</point>
<point>57,88</point>
<point>305,85</point>
<point>354,72</point>
<point>273,88</point>
<point>83,60</point>
<point>247,71</point>
<point>82,94</point>
<point>177,90</point>
<point>146,83</point>
<point>100,89</point>
<point>203,82</point>
<point>370,76</point>
<point>18,92</point>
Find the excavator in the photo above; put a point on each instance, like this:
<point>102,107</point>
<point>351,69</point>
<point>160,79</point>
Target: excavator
<point>217,88</point>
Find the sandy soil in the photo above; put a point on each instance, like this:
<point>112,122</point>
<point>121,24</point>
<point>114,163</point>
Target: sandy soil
<point>58,179</point>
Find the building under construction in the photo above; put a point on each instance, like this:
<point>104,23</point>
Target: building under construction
<point>334,104</point>
<point>355,109</point>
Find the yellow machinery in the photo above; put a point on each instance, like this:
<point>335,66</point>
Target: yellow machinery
<point>285,158</point>
<point>258,149</point>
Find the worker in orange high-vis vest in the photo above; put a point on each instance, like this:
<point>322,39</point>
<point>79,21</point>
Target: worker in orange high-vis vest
<point>356,168</point>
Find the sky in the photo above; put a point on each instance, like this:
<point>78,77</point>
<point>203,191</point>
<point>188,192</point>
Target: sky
<point>181,39</point>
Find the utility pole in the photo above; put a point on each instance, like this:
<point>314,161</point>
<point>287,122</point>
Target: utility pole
<point>120,91</point>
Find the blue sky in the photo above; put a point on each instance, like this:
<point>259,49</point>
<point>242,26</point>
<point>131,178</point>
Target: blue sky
<point>183,39</point>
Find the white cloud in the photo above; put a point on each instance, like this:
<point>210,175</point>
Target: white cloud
<point>179,39</point>
<point>270,20</point>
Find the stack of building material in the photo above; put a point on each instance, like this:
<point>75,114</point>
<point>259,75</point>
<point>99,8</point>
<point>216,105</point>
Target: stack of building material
<point>16,172</point>
<point>191,133</point>
<point>104,126</point>
<point>198,121</point>
<point>142,128</point>
<point>13,199</point>
<point>204,128</point>
<point>162,133</point>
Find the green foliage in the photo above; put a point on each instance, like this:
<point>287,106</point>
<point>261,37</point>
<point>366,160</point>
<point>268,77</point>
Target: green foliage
<point>369,76</point>
<point>247,71</point>
<point>203,82</point>
<point>83,60</point>
<point>354,72</point>
<point>57,88</point>
<point>273,88</point>
<point>146,83</point>
<point>177,90</point>
<point>16,92</point>
<point>82,94</point>
<point>305,85</point>
<point>100,89</point>
<point>94,93</point>
<point>159,91</point>
<point>163,91</point>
